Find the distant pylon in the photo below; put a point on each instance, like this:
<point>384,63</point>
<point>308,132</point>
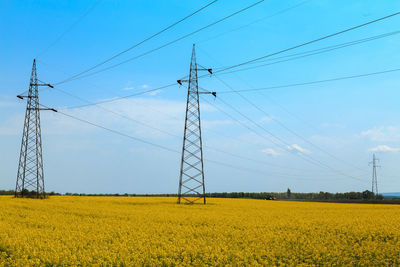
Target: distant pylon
<point>30,177</point>
<point>374,176</point>
<point>191,180</point>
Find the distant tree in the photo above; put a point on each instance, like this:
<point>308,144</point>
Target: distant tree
<point>25,192</point>
<point>368,195</point>
<point>7,192</point>
<point>288,193</point>
<point>353,195</point>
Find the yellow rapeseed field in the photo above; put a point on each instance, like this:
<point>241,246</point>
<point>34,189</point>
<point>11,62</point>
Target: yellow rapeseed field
<point>138,231</point>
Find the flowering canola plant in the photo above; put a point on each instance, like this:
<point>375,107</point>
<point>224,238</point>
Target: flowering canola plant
<point>155,231</point>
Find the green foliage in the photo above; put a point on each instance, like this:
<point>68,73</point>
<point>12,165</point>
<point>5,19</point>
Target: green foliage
<point>25,193</point>
<point>326,196</point>
<point>288,193</point>
<point>366,195</point>
<point>6,192</point>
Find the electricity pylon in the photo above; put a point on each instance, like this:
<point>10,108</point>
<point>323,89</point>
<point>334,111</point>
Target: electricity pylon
<point>374,177</point>
<point>30,168</point>
<point>191,179</point>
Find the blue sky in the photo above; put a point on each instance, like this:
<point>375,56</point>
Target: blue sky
<point>349,119</point>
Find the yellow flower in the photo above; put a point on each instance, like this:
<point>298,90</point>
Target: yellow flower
<point>139,231</point>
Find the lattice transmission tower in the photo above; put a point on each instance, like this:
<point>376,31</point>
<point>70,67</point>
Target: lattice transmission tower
<point>374,176</point>
<point>191,179</point>
<point>30,177</point>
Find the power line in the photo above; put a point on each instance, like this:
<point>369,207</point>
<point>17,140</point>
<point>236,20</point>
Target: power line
<point>141,42</point>
<point>241,123</point>
<point>119,114</point>
<point>121,97</point>
<point>240,90</point>
<point>270,87</point>
<point>309,42</point>
<point>300,55</point>
<point>173,135</point>
<point>88,103</point>
<point>287,148</point>
<point>312,82</point>
<point>256,21</point>
<point>165,45</point>
<point>287,176</point>
<point>161,146</point>
<point>313,52</point>
<point>155,127</point>
<point>264,163</point>
<point>362,40</point>
<point>117,132</point>
<point>280,106</point>
<point>286,145</point>
<point>91,8</point>
<point>107,101</point>
<point>286,127</point>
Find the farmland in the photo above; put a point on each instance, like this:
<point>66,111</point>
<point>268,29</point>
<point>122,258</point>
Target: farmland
<point>155,231</point>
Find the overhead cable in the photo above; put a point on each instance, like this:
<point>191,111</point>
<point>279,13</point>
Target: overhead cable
<point>141,42</point>
<point>162,46</point>
<point>308,43</point>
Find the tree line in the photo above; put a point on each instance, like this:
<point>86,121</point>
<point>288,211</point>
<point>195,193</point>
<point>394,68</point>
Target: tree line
<point>365,195</point>
<point>288,195</point>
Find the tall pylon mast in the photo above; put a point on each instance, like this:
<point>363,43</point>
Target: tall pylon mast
<point>191,179</point>
<point>30,177</point>
<point>374,176</point>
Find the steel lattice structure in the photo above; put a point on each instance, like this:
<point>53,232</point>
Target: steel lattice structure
<point>374,176</point>
<point>30,177</point>
<point>191,180</point>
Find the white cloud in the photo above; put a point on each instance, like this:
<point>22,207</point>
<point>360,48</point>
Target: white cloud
<point>208,124</point>
<point>331,141</point>
<point>270,151</point>
<point>130,87</point>
<point>156,92</point>
<point>166,115</point>
<point>299,149</point>
<point>383,134</point>
<point>4,104</point>
<point>332,125</point>
<point>12,125</point>
<point>267,119</point>
<point>384,148</point>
